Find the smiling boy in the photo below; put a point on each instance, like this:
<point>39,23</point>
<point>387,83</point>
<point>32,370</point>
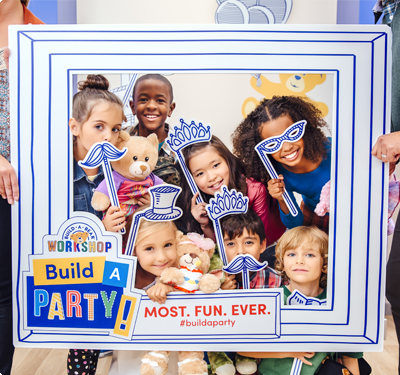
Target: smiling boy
<point>152,103</point>
<point>302,259</point>
<point>245,234</point>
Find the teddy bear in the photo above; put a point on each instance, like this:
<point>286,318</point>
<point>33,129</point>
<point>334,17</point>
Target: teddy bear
<point>290,84</point>
<point>189,275</point>
<point>79,237</point>
<point>323,207</point>
<point>132,174</point>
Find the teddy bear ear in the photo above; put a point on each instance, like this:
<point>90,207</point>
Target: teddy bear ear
<point>179,236</point>
<point>123,137</point>
<point>153,140</point>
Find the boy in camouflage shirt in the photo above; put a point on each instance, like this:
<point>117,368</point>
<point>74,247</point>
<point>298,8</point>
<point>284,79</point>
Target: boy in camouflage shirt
<point>152,103</point>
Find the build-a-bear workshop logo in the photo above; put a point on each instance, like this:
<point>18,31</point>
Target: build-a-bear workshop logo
<point>80,281</point>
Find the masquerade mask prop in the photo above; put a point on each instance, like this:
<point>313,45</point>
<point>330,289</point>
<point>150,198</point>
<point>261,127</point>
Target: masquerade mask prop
<point>162,208</point>
<point>102,153</point>
<point>181,136</point>
<point>273,144</point>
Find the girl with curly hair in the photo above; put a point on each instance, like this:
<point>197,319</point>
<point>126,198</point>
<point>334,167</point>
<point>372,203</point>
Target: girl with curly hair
<point>304,166</point>
<point>213,165</point>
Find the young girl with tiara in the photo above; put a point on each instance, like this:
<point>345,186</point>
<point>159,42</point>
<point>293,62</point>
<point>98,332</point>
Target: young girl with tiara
<point>304,166</point>
<point>213,165</point>
<point>97,115</point>
<point>156,250</point>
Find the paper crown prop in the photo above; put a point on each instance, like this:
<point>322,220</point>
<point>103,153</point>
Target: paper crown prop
<point>227,203</point>
<point>102,153</point>
<point>162,208</point>
<point>273,144</point>
<point>184,135</point>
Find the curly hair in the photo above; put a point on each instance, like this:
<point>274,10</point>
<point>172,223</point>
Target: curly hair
<point>293,238</point>
<point>236,180</point>
<point>248,134</point>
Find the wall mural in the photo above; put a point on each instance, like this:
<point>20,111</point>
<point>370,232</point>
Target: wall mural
<point>253,11</point>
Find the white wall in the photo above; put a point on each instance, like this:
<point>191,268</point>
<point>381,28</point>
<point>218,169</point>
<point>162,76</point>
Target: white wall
<point>188,11</point>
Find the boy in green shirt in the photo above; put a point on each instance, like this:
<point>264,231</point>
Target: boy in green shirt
<point>302,258</point>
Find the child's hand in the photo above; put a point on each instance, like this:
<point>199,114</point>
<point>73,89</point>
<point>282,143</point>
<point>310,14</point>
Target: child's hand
<point>229,283</point>
<point>158,293</point>
<point>114,220</point>
<point>199,212</point>
<point>303,355</point>
<point>276,188</point>
<point>145,199</point>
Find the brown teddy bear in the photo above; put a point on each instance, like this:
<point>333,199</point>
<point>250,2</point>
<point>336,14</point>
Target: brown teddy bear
<point>290,84</point>
<point>193,258</point>
<point>132,174</point>
<point>79,237</point>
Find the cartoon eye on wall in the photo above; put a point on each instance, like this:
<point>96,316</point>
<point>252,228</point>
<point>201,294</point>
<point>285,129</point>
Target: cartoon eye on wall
<point>253,11</point>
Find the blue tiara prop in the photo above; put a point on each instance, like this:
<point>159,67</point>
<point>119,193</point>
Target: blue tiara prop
<point>244,263</point>
<point>184,135</point>
<point>222,204</point>
<point>162,208</point>
<point>273,144</point>
<point>102,153</point>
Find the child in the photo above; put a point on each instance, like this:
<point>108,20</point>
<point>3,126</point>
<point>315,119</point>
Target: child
<point>155,250</point>
<point>303,166</point>
<point>213,165</point>
<point>302,259</point>
<point>152,103</point>
<point>243,234</point>
<point>97,115</point>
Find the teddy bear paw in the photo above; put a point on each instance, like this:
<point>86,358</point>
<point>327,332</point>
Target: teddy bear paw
<point>100,201</point>
<point>227,369</point>
<point>154,363</point>
<point>209,283</point>
<point>245,365</point>
<point>193,366</point>
<point>172,276</point>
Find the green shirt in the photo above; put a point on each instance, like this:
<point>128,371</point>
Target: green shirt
<point>282,366</point>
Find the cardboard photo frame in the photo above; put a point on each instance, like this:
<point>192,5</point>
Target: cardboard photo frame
<point>43,60</point>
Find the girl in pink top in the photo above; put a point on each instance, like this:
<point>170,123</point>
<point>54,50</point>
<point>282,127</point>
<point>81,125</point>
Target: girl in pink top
<point>213,165</point>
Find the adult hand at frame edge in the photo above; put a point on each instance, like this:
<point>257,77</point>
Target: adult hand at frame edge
<point>387,147</point>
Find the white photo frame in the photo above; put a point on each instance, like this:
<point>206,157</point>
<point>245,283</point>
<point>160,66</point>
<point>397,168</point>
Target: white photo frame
<point>43,60</point>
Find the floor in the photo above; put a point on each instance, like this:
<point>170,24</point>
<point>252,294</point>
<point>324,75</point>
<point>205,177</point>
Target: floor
<point>53,361</point>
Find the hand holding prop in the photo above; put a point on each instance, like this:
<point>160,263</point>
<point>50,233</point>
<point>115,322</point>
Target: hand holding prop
<point>244,263</point>
<point>273,144</point>
<point>102,153</point>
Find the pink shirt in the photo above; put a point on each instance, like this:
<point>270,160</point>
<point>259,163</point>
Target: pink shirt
<point>267,208</point>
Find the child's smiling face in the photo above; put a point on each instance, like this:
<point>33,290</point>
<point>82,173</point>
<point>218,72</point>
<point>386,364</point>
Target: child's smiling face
<point>209,171</point>
<point>304,264</point>
<point>247,243</point>
<point>152,104</point>
<point>104,124</point>
<point>291,154</point>
<point>157,252</point>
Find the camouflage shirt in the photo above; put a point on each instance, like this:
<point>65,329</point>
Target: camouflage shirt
<point>165,167</point>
